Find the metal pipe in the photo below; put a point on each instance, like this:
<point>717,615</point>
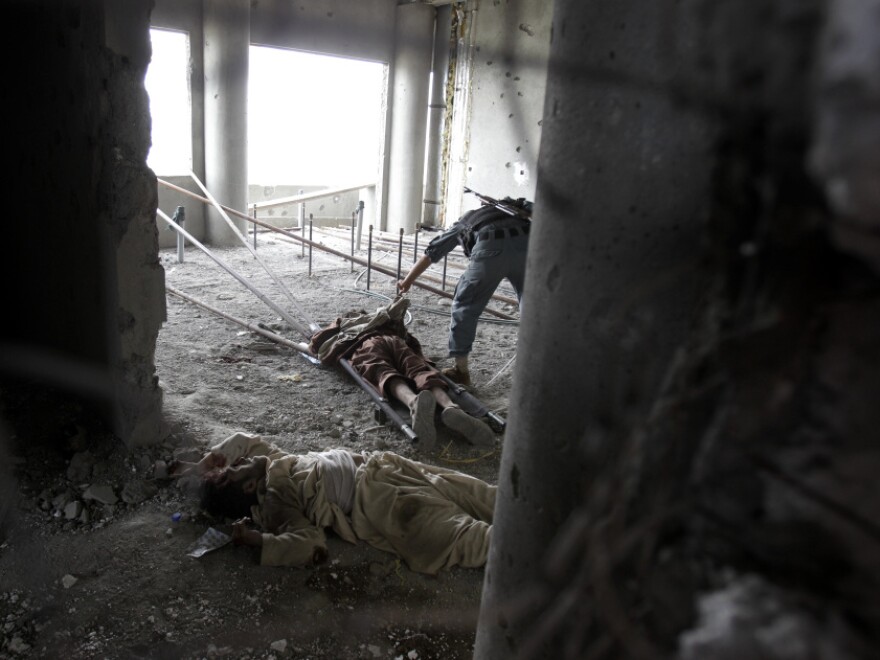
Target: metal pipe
<point>416,242</point>
<point>381,402</point>
<point>353,223</point>
<point>325,248</point>
<point>314,326</point>
<point>316,194</point>
<point>179,218</point>
<point>255,227</point>
<point>399,253</point>
<point>301,347</point>
<point>443,284</point>
<point>360,212</point>
<point>369,256</point>
<point>302,224</point>
<point>303,330</point>
<point>311,225</point>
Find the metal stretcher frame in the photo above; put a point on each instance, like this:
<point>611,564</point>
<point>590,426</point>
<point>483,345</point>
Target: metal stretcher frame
<point>459,395</point>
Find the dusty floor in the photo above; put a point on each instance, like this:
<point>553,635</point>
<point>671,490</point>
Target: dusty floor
<point>82,576</point>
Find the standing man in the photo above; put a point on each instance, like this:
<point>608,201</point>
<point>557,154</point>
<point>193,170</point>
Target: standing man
<point>495,237</point>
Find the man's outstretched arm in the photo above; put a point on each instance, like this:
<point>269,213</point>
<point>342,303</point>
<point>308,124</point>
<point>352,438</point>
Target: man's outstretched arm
<point>418,268</point>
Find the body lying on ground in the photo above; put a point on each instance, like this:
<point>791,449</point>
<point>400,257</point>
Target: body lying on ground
<point>379,347</point>
<point>431,517</point>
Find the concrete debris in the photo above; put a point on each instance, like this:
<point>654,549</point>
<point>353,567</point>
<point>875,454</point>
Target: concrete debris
<point>81,466</point>
<point>160,470</point>
<point>188,455</point>
<point>279,645</point>
<point>73,510</point>
<point>61,500</point>
<point>102,494</point>
<point>16,645</point>
<point>136,492</point>
<point>68,581</point>
<point>751,618</point>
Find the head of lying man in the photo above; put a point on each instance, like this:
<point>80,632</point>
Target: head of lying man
<point>232,491</point>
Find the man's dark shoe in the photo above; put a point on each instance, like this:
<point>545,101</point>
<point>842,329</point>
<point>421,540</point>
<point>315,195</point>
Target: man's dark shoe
<point>422,412</point>
<point>456,375</point>
<point>476,432</point>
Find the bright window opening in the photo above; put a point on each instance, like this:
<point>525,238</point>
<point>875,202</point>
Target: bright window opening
<point>167,83</point>
<point>313,120</point>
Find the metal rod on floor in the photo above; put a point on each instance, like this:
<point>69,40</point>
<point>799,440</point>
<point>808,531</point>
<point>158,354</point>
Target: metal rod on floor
<point>302,224</point>
<point>369,256</point>
<point>399,253</point>
<point>314,326</point>
<point>416,242</point>
<point>443,283</point>
<point>360,222</point>
<point>381,402</point>
<point>293,323</point>
<point>255,227</point>
<point>179,217</point>
<point>311,226</point>
<point>501,371</point>
<point>353,223</point>
<point>301,347</point>
<point>342,255</point>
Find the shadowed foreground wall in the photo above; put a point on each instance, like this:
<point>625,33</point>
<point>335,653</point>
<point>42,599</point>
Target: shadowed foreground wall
<point>689,468</point>
<point>88,301</point>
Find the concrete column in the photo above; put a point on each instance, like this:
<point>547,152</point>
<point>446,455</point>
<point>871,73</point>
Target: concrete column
<point>612,282</point>
<point>409,114</point>
<point>226,47</point>
<point>436,115</point>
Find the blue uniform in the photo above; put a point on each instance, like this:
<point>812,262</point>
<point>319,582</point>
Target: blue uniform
<point>496,244</point>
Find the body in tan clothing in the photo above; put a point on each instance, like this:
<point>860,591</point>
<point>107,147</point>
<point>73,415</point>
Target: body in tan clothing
<point>431,517</point>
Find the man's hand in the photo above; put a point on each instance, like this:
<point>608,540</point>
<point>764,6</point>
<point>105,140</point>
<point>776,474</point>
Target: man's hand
<point>243,535</point>
<point>210,462</point>
<point>418,268</point>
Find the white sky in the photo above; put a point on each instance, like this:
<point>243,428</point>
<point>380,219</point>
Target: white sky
<point>167,85</point>
<point>312,119</point>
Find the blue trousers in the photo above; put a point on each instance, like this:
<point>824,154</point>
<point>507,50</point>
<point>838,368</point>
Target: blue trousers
<point>491,260</point>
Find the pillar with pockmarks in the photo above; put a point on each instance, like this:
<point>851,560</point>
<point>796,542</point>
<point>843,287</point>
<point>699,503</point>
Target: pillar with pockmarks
<point>226,48</point>
<point>409,114</point>
<point>612,283</point>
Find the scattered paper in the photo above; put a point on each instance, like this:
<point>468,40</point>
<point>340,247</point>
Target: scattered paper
<point>210,540</point>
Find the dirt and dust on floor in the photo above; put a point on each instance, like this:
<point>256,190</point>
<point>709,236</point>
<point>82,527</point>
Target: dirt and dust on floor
<point>95,563</point>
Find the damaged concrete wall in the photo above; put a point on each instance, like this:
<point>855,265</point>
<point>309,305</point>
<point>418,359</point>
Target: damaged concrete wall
<point>700,482</point>
<point>505,46</point>
<point>89,299</point>
<point>362,30</point>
